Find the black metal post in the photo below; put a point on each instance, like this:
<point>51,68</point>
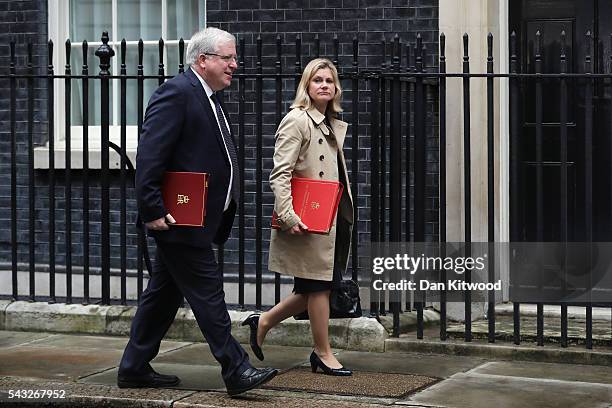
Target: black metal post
<point>298,60</point>
<point>241,152</point>
<point>123,175</point>
<point>160,67</point>
<point>258,175</point>
<point>442,182</point>
<point>31,180</point>
<point>85,83</point>
<point>491,186</point>
<point>51,129</point>
<point>355,160</point>
<point>588,179</point>
<point>278,117</point>
<point>383,161</point>
<point>419,168</point>
<point>407,148</point>
<point>12,119</point>
<point>563,179</point>
<point>515,127</point>
<point>396,173</point>
<point>539,174</point>
<point>610,169</point>
<point>142,239</point>
<point>467,179</point>
<point>375,181</point>
<point>336,49</point>
<point>181,51</point>
<point>105,53</point>
<point>68,176</point>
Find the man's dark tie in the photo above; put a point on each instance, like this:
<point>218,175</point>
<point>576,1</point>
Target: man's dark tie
<point>230,148</point>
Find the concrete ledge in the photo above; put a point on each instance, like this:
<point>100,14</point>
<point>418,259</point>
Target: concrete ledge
<point>363,334</point>
<point>408,320</point>
<point>366,335</point>
<point>58,317</point>
<point>119,320</point>
<point>501,352</point>
<point>3,305</point>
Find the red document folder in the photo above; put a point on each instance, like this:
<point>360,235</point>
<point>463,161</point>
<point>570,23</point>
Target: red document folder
<point>315,202</point>
<point>184,195</point>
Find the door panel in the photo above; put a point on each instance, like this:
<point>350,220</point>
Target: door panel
<point>551,17</point>
<point>602,140</point>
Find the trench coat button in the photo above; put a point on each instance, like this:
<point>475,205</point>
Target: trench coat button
<point>321,174</point>
<point>320,141</point>
<point>321,157</point>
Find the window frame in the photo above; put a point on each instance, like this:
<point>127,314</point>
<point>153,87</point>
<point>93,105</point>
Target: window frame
<point>58,32</point>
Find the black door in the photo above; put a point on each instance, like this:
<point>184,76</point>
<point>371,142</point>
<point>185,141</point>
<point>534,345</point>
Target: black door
<point>550,18</point>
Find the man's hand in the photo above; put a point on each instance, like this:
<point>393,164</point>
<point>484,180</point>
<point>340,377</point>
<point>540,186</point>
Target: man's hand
<point>298,229</point>
<point>160,224</point>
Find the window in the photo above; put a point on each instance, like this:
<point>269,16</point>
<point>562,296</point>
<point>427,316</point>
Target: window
<point>81,20</point>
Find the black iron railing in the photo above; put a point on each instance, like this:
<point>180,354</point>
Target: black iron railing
<point>405,104</point>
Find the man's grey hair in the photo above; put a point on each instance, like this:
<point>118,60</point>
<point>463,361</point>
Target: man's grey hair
<point>206,41</point>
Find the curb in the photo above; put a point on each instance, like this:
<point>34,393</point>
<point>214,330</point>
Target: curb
<point>360,334</point>
<point>501,352</point>
<point>554,311</point>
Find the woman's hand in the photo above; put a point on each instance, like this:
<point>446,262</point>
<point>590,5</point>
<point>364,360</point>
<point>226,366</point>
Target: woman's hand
<point>298,229</point>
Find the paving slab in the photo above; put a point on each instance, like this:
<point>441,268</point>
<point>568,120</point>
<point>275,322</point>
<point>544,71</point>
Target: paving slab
<point>473,390</point>
<point>274,399</point>
<point>72,341</point>
<point>15,338</point>
<point>562,372</point>
<point>275,356</point>
<point>193,377</point>
<point>55,363</point>
<point>433,365</point>
<point>88,395</point>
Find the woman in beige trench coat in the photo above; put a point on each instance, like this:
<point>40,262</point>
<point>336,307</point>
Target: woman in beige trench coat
<point>309,144</point>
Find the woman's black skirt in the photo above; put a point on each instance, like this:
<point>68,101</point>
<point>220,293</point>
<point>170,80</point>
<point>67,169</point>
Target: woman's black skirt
<point>302,286</point>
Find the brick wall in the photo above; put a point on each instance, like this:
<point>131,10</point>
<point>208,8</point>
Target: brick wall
<point>368,20</point>
<point>22,22</point>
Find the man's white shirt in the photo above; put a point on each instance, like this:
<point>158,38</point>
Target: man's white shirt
<point>209,93</point>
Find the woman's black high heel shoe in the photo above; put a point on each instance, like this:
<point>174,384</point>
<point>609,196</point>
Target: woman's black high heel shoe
<point>253,322</point>
<point>315,362</point>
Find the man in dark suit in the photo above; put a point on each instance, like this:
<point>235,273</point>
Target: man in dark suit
<point>185,129</point>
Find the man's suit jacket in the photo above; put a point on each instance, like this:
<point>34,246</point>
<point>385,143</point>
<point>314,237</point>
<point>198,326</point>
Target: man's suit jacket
<point>180,133</point>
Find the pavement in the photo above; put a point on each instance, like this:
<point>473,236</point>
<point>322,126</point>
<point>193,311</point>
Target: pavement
<point>82,371</point>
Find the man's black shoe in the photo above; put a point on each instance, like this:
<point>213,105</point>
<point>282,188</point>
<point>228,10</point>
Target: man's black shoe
<point>150,380</point>
<point>251,378</point>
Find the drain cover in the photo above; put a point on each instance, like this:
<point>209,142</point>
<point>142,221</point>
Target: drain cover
<point>361,383</point>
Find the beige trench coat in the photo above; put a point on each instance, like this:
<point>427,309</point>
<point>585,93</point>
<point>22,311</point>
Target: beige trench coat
<point>305,147</point>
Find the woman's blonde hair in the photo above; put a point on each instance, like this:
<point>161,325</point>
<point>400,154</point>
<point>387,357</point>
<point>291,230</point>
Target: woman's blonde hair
<point>302,98</point>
